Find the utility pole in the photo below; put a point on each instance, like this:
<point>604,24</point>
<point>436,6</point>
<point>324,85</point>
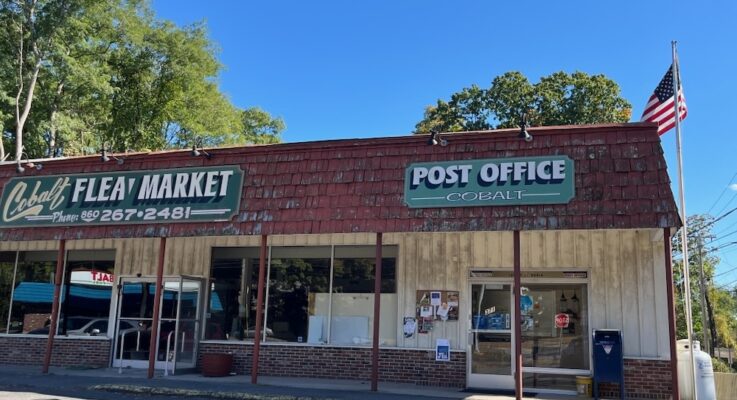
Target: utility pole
<point>702,298</point>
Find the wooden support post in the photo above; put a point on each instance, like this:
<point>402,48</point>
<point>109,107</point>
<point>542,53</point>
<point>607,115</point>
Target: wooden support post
<point>377,316</point>
<point>516,327</point>
<point>259,311</point>
<point>60,258</point>
<point>157,309</point>
<point>671,313</point>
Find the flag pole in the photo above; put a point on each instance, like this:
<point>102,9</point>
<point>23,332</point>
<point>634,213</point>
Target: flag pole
<point>684,229</point>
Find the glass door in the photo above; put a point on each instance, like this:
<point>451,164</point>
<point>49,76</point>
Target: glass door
<point>554,329</point>
<point>555,335</point>
<point>176,345</point>
<point>183,353</point>
<point>135,318</point>
<point>490,336</point>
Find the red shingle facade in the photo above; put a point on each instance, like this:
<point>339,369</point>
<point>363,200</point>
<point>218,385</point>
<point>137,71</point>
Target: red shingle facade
<point>342,186</point>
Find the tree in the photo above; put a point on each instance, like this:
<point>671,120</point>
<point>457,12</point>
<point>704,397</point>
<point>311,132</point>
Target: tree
<point>258,127</point>
<point>80,75</point>
<point>721,303</point>
<point>558,99</point>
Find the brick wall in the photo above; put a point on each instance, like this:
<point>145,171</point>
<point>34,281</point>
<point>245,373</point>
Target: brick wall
<point>67,352</point>
<point>406,366</point>
<point>643,379</point>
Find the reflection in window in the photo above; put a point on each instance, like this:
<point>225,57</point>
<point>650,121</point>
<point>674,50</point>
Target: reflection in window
<point>299,304</point>
<point>549,381</point>
<point>7,269</point>
<point>233,290</point>
<point>299,278</point>
<point>87,291</point>
<point>33,293</point>
<point>353,300</point>
<point>543,343</point>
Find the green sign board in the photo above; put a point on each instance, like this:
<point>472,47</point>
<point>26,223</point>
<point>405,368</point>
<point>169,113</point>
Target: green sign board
<point>159,196</point>
<point>490,182</point>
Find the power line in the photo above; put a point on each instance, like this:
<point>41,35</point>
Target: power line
<point>725,229</point>
<point>712,222</point>
<point>721,238</point>
<point>728,203</point>
<point>723,191</point>
<point>726,285</point>
<point>725,272</point>
<point>710,250</point>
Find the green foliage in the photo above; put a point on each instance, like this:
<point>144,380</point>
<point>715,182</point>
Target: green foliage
<point>721,302</point>
<point>258,127</point>
<point>558,99</point>
<point>111,74</point>
<point>721,366</point>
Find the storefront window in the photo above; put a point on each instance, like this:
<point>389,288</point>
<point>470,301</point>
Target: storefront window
<point>299,284</point>
<point>7,269</point>
<point>555,326</point>
<point>33,293</point>
<point>86,292</point>
<point>300,306</point>
<point>352,310</point>
<point>233,291</point>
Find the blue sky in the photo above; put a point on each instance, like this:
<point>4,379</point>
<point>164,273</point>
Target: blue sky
<point>343,69</point>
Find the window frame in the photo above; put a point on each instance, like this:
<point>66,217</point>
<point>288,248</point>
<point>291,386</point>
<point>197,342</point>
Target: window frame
<point>391,249</point>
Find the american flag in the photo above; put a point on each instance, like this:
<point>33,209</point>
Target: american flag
<point>660,107</point>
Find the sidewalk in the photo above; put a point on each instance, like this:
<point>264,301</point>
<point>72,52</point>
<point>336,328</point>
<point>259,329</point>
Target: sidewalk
<point>80,383</point>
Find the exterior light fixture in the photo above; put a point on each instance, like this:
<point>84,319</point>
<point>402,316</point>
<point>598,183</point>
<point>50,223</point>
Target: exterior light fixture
<point>436,139</point>
<point>523,134</point>
<point>198,150</point>
<point>20,168</point>
<point>105,157</point>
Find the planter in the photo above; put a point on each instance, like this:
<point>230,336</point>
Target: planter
<point>216,364</point>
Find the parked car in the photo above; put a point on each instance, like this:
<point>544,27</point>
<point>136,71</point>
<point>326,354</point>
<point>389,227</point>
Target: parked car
<point>85,326</point>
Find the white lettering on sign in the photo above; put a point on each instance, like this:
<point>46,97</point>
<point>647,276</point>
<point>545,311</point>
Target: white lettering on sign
<point>545,171</point>
<point>21,204</point>
<point>438,175</point>
<point>153,187</point>
<point>484,196</point>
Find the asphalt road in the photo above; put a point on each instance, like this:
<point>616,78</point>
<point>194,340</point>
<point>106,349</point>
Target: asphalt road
<point>27,383</point>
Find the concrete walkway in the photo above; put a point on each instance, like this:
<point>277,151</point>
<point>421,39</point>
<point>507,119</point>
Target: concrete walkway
<point>79,383</point>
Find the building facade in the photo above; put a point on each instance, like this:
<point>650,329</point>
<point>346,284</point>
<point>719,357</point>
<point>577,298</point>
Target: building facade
<point>584,215</point>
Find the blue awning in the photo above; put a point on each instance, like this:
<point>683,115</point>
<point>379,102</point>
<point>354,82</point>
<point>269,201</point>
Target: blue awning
<point>41,292</point>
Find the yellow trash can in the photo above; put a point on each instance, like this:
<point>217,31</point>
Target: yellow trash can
<point>583,386</point>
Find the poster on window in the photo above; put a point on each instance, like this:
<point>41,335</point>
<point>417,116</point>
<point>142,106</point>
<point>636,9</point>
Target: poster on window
<point>410,325</point>
<point>442,350</point>
<point>437,305</point>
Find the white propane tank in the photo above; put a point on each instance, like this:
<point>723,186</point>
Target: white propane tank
<point>705,389</point>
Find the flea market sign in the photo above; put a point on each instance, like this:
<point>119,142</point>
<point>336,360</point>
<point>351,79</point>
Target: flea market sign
<point>159,196</point>
<point>490,182</point>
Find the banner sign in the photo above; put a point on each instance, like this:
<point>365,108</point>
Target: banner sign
<point>158,196</point>
<point>490,182</point>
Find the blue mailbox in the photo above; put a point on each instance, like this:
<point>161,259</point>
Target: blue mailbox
<point>608,359</point>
